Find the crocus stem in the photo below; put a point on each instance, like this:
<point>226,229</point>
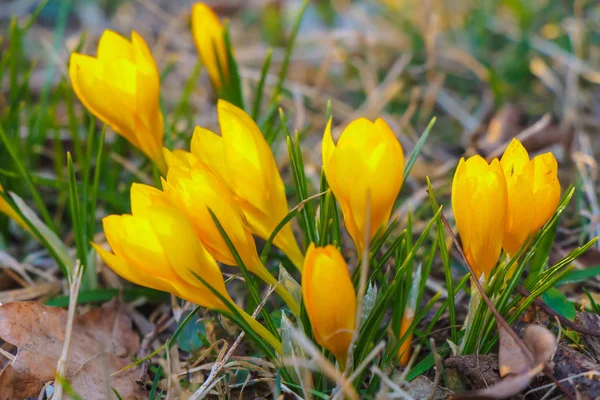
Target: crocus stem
<point>260,330</point>
<point>285,295</point>
<point>473,305</point>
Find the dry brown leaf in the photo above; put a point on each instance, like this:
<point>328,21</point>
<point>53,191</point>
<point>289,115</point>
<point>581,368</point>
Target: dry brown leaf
<point>101,344</point>
<point>541,342</point>
<point>511,359</point>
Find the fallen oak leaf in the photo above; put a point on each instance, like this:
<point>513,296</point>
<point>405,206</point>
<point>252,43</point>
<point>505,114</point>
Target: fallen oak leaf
<point>101,342</point>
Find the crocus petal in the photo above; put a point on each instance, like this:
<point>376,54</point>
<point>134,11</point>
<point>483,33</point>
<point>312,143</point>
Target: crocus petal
<point>179,158</point>
<point>546,188</point>
<point>210,149</point>
<point>520,212</point>
<point>145,196</point>
<point>514,159</point>
<point>113,46</point>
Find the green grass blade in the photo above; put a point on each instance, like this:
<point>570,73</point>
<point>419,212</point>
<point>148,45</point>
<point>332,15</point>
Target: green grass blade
<point>261,85</point>
<point>415,153</point>
<point>75,205</point>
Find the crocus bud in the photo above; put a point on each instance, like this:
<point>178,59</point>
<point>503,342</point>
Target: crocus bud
<point>196,189</point>
<point>404,350</point>
<point>244,163</point>
<point>157,247</point>
<point>329,299</point>
<point>367,161</point>
<point>210,43</point>
<point>121,88</point>
<point>533,193</point>
<point>6,208</point>
<point>479,202</point>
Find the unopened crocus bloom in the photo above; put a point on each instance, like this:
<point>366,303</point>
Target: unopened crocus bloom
<point>329,299</point>
<point>479,202</point>
<point>210,43</point>
<point>244,163</point>
<point>367,161</point>
<point>157,247</point>
<point>6,208</point>
<point>195,190</point>
<point>120,86</point>
<point>404,351</point>
<point>533,193</point>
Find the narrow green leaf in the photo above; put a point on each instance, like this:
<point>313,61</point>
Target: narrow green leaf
<point>417,149</point>
<point>33,15</point>
<point>261,85</point>
<point>76,219</point>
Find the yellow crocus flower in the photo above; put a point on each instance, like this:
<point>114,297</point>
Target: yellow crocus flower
<point>210,43</point>
<point>367,161</point>
<point>330,299</point>
<point>533,193</point>
<point>157,247</point>
<point>6,208</point>
<point>479,203</point>
<point>121,87</point>
<point>244,163</point>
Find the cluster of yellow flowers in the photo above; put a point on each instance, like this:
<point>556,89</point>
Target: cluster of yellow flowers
<point>501,205</point>
<point>171,241</point>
